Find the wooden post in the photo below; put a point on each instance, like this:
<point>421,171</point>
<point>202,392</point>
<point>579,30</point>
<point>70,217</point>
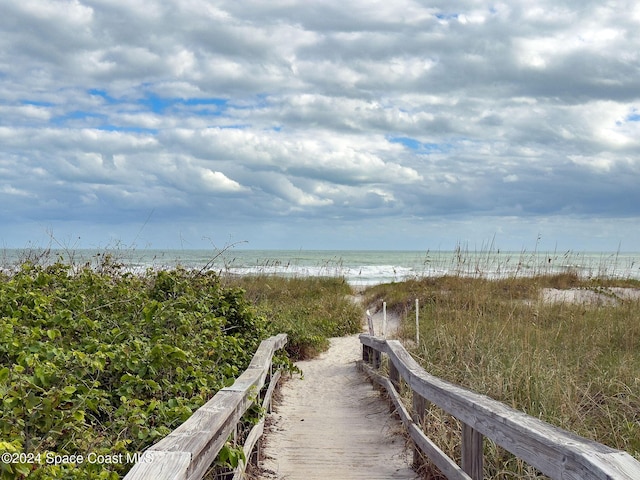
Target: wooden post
<point>254,458</point>
<point>269,380</point>
<point>417,322</point>
<point>370,323</point>
<point>384,318</point>
<point>377,359</point>
<point>394,376</point>
<point>366,353</point>
<point>472,452</point>
<point>419,412</point>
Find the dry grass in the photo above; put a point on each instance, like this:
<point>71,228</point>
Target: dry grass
<point>309,310</point>
<point>575,366</point>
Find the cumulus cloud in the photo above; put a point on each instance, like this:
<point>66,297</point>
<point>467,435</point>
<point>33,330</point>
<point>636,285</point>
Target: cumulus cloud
<point>266,112</point>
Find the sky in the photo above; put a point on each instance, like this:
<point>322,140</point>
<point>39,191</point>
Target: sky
<point>320,124</point>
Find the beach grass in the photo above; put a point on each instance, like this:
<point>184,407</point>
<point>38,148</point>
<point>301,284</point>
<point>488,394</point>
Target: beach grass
<point>576,366</point>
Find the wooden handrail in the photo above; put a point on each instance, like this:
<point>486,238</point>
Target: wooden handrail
<point>188,451</point>
<point>557,453</point>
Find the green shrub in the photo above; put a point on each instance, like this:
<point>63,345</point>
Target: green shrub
<point>97,360</point>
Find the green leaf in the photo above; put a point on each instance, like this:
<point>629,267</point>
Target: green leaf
<point>53,333</point>
<point>78,415</point>
<point>4,374</point>
<point>22,468</point>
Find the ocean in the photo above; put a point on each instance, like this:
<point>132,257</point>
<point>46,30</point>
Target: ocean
<point>358,267</point>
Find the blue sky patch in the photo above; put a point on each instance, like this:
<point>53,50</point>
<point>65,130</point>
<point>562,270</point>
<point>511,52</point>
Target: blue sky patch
<point>446,16</point>
<point>103,94</point>
<point>160,105</point>
<point>36,103</point>
<point>420,147</point>
<point>220,102</point>
<point>118,128</point>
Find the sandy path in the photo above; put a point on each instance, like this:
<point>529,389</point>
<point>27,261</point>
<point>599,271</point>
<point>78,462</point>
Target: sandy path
<point>333,424</point>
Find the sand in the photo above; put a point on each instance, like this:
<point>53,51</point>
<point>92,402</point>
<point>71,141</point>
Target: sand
<point>333,424</point>
<point>583,296</point>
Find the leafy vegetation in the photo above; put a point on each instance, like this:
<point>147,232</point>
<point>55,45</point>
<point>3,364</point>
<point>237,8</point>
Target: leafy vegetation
<point>103,361</point>
<point>95,359</point>
<point>576,366</point>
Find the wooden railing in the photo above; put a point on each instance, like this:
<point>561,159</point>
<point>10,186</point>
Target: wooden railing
<point>188,451</point>
<point>554,452</point>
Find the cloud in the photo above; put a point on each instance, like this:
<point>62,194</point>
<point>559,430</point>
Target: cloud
<point>264,113</point>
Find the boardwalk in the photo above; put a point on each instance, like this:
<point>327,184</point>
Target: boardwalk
<point>333,424</point>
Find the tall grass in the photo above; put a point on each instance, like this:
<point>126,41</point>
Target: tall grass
<point>575,366</point>
<point>309,309</point>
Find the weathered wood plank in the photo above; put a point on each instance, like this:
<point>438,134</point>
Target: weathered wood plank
<point>188,451</point>
<point>440,459</point>
<point>162,465</point>
<point>555,452</point>
<point>394,376</point>
<point>472,452</point>
<point>258,430</point>
<point>367,354</point>
<point>419,411</point>
<point>377,359</point>
<point>204,433</point>
<point>377,343</point>
<point>273,383</point>
<point>250,442</point>
<point>263,356</point>
<point>252,378</point>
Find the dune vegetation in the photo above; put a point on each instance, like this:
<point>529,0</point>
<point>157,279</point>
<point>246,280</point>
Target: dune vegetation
<point>310,310</point>
<point>96,360</point>
<point>574,365</point>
